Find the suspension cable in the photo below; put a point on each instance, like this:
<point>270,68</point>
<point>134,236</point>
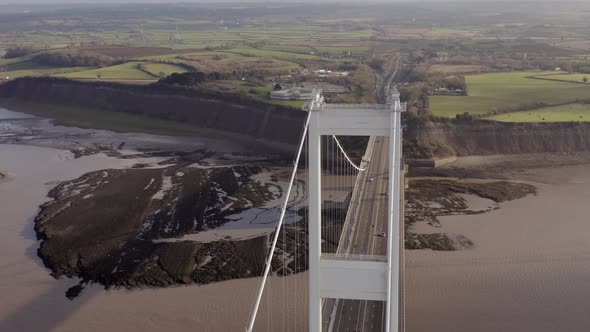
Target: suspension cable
<point>279,226</point>
<point>358,168</point>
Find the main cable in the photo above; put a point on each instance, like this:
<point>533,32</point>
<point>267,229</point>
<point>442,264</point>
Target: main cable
<point>358,168</point>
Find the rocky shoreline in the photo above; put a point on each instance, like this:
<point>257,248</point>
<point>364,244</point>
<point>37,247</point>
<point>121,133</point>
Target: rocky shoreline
<point>430,198</point>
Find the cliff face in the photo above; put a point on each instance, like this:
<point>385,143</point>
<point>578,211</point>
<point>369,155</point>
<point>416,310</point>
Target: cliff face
<point>269,123</point>
<point>281,126</point>
<point>463,138</point>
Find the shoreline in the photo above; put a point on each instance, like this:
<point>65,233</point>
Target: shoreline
<point>126,123</point>
<point>186,308</point>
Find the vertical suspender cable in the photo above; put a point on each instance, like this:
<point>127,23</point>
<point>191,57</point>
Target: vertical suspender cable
<point>278,229</point>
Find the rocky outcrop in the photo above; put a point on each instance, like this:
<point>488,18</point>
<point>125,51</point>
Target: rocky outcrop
<point>428,199</point>
<point>121,227</point>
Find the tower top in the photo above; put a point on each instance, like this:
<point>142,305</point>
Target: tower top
<point>393,101</point>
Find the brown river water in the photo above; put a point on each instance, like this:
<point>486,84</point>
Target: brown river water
<point>529,270</point>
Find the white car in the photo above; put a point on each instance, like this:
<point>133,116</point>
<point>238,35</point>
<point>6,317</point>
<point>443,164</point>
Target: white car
<point>371,179</point>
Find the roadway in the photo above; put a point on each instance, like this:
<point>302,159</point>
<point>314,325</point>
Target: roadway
<point>366,219</point>
<point>359,315</point>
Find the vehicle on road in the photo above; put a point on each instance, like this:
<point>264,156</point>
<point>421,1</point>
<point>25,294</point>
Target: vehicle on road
<point>382,234</point>
<point>371,179</point>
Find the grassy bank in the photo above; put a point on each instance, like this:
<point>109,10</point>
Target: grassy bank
<point>100,119</point>
<point>490,93</point>
<point>565,77</point>
<point>128,70</point>
<point>563,113</point>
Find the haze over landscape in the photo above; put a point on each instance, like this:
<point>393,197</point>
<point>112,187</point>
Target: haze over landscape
<point>158,165</point>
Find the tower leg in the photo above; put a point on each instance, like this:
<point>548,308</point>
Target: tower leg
<point>315,222</point>
<point>393,228</point>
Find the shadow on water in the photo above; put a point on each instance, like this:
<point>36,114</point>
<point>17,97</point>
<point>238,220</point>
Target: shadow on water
<point>49,309</point>
<point>28,233</point>
<point>46,311</point>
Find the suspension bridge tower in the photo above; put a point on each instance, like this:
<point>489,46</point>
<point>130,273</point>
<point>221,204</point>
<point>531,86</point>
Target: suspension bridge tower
<point>344,275</point>
<point>355,258</point>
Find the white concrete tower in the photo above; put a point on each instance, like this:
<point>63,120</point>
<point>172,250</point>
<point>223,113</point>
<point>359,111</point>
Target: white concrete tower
<point>346,276</point>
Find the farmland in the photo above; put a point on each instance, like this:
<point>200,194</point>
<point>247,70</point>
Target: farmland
<point>29,68</point>
<point>184,35</point>
<point>503,92</point>
<point>566,77</point>
<point>162,69</point>
<point>563,113</point>
<point>125,71</point>
<point>251,45</point>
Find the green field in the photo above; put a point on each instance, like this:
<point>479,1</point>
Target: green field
<point>264,53</point>
<point>32,69</point>
<point>563,113</point>
<point>125,71</point>
<point>190,34</point>
<point>573,77</point>
<point>5,62</point>
<point>289,48</point>
<point>339,50</point>
<point>224,60</point>
<point>163,69</point>
<point>501,92</point>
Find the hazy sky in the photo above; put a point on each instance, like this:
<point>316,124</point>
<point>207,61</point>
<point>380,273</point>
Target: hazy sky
<point>235,1</point>
<point>46,2</point>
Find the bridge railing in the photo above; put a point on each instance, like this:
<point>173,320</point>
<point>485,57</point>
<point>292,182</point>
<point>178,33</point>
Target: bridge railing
<point>355,106</point>
<point>355,257</point>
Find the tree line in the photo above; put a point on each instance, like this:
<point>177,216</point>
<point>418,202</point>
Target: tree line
<point>18,51</point>
<point>73,59</point>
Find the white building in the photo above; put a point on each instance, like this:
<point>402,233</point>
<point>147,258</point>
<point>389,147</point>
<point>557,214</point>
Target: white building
<point>293,93</point>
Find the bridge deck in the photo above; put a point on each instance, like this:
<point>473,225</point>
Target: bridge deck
<point>366,217</point>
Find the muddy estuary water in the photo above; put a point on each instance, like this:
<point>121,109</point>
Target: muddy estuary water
<point>33,157</point>
<point>529,268</point>
<point>528,271</point>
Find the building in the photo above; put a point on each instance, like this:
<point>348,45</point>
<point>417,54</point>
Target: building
<point>293,93</point>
